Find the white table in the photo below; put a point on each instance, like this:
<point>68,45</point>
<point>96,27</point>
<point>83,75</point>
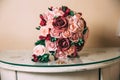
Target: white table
<point>93,64</point>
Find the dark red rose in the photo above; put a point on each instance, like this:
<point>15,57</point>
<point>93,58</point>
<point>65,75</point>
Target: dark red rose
<point>66,13</point>
<point>42,37</point>
<point>45,38</point>
<point>66,10</point>
<point>43,21</point>
<point>63,44</point>
<point>35,59</point>
<point>60,23</point>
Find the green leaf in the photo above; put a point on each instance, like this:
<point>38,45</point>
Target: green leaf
<point>45,58</point>
<point>71,13</point>
<point>40,42</point>
<point>39,58</point>
<point>85,30</point>
<point>50,9</point>
<point>64,8</point>
<point>38,28</point>
<point>72,43</point>
<point>55,16</point>
<point>53,39</point>
<point>80,42</point>
<point>52,52</point>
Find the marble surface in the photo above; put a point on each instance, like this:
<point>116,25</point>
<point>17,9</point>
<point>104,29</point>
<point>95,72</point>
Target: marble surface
<point>91,58</point>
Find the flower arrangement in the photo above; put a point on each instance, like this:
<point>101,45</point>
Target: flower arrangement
<point>63,33</point>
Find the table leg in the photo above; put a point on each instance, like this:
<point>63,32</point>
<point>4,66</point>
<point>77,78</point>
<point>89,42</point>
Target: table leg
<point>99,74</point>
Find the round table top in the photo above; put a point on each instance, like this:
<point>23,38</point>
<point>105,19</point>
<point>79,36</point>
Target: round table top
<point>91,58</point>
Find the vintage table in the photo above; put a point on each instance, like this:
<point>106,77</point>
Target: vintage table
<point>93,64</point>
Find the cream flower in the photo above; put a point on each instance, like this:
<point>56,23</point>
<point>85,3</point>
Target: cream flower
<point>50,15</point>
<point>57,12</point>
<point>49,24</point>
<point>44,31</point>
<point>39,50</point>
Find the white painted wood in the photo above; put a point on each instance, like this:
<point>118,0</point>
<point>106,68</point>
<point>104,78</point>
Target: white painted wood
<point>96,57</point>
<point>0,73</point>
<point>83,75</point>
<point>7,74</point>
<point>111,72</point>
<point>56,69</point>
<point>27,70</point>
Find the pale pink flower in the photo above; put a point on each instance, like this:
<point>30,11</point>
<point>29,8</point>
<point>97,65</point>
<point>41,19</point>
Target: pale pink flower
<point>75,37</point>
<point>60,55</point>
<point>80,23</point>
<point>39,50</point>
<point>51,46</point>
<point>44,31</point>
<point>49,24</point>
<point>57,12</point>
<point>70,20</point>
<point>55,33</point>
<point>66,33</point>
<point>50,15</point>
<point>73,28</point>
<point>77,21</point>
<point>70,51</point>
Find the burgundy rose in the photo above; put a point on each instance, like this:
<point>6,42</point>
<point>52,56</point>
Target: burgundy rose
<point>66,10</point>
<point>63,44</point>
<point>45,38</point>
<point>43,21</point>
<point>35,59</point>
<point>60,23</point>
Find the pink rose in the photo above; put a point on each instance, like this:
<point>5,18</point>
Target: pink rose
<point>51,46</point>
<point>66,33</point>
<point>80,24</point>
<point>78,21</point>
<point>75,37</point>
<point>60,23</point>
<point>50,15</point>
<point>44,31</point>
<point>70,51</point>
<point>77,16</point>
<point>55,33</point>
<point>49,24</point>
<point>39,50</point>
<point>73,28</point>
<point>70,20</point>
<point>57,12</point>
<point>63,44</point>
<point>60,55</point>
